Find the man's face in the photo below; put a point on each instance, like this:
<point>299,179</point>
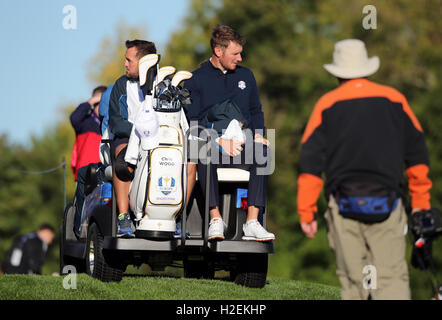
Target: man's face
<point>131,63</point>
<point>229,57</point>
<point>46,235</point>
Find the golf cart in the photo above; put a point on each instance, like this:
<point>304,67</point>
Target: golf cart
<point>97,250</point>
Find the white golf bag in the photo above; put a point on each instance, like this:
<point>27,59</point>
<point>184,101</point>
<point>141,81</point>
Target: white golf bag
<point>158,191</point>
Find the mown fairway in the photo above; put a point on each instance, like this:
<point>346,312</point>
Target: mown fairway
<point>30,287</point>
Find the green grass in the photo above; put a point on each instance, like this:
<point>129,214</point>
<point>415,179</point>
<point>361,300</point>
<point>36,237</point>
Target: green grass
<point>31,287</point>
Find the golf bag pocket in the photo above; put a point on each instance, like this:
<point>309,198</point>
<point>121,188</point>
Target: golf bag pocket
<point>165,186</point>
<point>369,203</point>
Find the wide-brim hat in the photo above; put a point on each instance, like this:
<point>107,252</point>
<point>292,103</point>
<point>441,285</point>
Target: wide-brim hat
<point>350,60</point>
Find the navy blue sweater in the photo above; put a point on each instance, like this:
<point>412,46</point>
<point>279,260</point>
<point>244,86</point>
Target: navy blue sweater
<point>118,113</point>
<point>210,86</point>
<point>84,120</point>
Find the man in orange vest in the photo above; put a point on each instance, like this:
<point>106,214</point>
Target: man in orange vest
<point>362,135</point>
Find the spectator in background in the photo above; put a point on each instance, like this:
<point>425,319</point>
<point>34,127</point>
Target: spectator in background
<point>86,123</point>
<point>363,135</point>
<point>28,252</point>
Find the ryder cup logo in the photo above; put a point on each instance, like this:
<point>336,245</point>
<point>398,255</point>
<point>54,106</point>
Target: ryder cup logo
<point>166,185</point>
<point>241,85</point>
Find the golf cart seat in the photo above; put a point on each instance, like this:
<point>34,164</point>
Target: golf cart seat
<point>233,185</point>
<point>233,175</point>
<point>97,174</point>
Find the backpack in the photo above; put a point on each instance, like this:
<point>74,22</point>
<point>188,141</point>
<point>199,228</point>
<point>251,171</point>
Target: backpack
<point>220,115</point>
<point>13,262</point>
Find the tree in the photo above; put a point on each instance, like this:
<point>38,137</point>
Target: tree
<point>107,65</point>
<point>29,196</point>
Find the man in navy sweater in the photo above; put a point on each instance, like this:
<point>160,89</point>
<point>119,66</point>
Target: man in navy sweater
<point>218,80</point>
<point>86,124</point>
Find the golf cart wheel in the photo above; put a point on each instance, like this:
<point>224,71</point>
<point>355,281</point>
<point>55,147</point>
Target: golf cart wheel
<point>96,265</point>
<point>198,269</point>
<point>66,233</point>
<point>251,271</point>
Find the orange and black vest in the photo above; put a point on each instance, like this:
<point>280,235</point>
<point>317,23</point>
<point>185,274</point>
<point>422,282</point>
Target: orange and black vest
<point>362,132</point>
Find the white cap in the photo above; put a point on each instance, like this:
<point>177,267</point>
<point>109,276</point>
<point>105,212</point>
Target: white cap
<point>146,127</point>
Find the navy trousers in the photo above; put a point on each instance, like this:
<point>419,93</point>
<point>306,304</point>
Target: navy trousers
<point>250,160</point>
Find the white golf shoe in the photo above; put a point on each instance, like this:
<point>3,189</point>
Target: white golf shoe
<point>253,230</point>
<point>216,229</point>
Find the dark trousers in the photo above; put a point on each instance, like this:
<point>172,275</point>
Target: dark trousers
<point>79,196</point>
<point>248,160</point>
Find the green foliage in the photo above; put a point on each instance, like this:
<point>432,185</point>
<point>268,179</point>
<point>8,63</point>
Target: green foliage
<point>107,65</point>
<point>28,200</point>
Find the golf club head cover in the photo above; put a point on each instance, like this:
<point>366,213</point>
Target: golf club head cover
<point>150,77</point>
<point>147,70</point>
<point>165,72</point>
<point>180,76</point>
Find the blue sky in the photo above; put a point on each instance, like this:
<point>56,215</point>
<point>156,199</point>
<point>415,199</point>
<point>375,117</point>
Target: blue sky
<point>44,65</point>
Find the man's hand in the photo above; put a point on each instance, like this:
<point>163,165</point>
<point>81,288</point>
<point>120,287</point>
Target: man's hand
<point>310,229</point>
<point>414,210</point>
<point>260,139</point>
<point>94,100</point>
<point>231,147</point>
